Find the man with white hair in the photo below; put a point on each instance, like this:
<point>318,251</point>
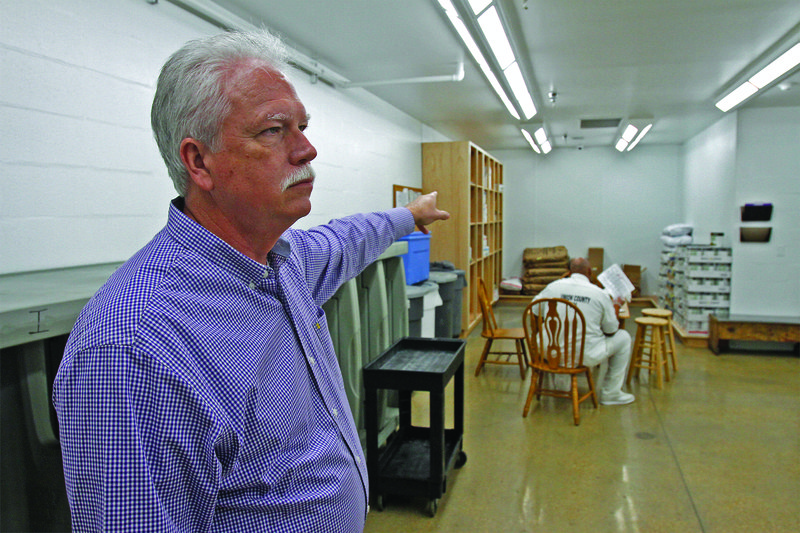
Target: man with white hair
<point>199,389</point>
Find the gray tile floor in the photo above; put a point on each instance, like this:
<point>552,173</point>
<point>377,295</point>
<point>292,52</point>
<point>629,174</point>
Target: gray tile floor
<point>716,450</point>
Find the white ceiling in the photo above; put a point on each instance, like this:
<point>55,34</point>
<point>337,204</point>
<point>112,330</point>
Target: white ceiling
<point>667,59</point>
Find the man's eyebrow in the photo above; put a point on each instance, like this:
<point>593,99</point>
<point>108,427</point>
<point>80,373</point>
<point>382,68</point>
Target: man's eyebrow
<point>276,117</point>
<point>282,117</point>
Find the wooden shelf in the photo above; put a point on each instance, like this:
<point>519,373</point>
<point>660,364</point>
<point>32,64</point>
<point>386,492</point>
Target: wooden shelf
<point>469,181</point>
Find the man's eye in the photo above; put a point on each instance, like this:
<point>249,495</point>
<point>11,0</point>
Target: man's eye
<point>303,127</point>
<point>272,131</point>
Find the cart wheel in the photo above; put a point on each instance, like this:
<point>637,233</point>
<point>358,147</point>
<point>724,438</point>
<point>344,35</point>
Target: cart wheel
<point>432,507</point>
<point>378,503</point>
<point>461,460</point>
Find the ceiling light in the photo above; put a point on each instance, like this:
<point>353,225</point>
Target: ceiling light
<point>786,62</point>
<point>639,137</point>
<point>773,71</point>
<point>520,90</point>
<point>469,42</point>
<point>541,138</point>
<point>530,140</point>
<point>737,96</point>
<point>479,5</point>
<point>632,132</point>
<point>538,140</point>
<point>483,25</point>
<point>496,37</point>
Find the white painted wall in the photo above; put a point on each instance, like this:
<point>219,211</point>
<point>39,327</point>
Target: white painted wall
<point>751,156</point>
<point>709,163</point>
<point>81,178</point>
<point>596,197</point>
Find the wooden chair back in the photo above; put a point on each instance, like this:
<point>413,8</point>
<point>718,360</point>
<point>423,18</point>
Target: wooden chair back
<point>555,330</point>
<point>489,320</point>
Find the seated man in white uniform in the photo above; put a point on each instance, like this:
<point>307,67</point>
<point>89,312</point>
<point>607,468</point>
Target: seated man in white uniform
<point>604,339</point>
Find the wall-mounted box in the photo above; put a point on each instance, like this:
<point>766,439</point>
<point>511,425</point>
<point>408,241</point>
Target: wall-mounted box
<point>756,212</point>
<point>754,234</point>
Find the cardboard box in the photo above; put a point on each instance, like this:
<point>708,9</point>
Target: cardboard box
<point>634,273</point>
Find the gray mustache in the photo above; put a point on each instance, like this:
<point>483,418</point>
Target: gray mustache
<point>299,175</point>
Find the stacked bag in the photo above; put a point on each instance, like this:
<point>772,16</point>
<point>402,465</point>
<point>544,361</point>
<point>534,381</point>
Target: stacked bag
<point>541,266</point>
<point>676,235</point>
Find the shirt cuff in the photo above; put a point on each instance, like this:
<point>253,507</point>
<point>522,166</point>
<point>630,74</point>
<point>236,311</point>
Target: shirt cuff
<point>403,219</point>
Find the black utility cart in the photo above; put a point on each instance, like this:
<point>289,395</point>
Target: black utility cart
<point>415,460</point>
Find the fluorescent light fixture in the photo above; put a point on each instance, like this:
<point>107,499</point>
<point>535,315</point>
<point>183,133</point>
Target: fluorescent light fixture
<point>777,68</point>
<point>633,129</point>
<point>530,140</point>
<point>479,5</point>
<point>642,133</point>
<point>541,137</point>
<point>496,37</point>
<point>520,90</point>
<point>488,22</point>
<point>785,62</point>
<point>737,96</point>
<point>630,131</point>
<point>469,42</point>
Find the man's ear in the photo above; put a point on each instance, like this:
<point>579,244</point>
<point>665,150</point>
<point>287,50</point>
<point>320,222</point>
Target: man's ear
<point>194,155</point>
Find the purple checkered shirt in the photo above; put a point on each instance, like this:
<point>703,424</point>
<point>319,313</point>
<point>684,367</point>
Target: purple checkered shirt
<point>199,389</point>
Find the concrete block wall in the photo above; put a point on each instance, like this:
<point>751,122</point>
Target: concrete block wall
<point>81,178</point>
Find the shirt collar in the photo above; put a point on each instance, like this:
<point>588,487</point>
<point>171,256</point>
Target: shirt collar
<point>210,247</point>
<point>579,277</point>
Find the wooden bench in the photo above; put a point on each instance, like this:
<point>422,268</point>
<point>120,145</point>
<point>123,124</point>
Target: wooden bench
<point>752,328</point>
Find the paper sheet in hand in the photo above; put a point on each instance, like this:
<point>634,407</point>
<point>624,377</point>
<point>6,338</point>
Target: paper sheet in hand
<point>616,282</point>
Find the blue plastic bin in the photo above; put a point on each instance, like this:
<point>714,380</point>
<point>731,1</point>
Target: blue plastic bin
<point>417,261</point>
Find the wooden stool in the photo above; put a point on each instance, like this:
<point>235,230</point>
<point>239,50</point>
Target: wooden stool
<point>649,350</point>
<point>666,314</point>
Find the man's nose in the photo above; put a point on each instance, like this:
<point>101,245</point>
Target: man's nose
<point>304,152</point>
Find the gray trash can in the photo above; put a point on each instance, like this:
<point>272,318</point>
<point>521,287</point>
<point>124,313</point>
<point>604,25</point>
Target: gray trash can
<point>458,293</point>
<point>423,298</point>
<point>447,282</point>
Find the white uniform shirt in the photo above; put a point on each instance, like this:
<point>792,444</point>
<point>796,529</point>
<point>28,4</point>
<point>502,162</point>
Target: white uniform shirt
<point>597,308</point>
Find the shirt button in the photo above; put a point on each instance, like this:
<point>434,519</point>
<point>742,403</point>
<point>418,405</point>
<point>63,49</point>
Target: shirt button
<point>358,459</point>
<point>335,412</point>
<point>312,361</point>
<point>252,285</point>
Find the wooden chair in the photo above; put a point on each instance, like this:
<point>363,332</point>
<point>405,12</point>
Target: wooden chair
<point>492,333</point>
<point>555,330</point>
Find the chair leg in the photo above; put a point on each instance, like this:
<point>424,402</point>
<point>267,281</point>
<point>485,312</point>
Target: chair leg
<point>531,392</point>
<point>482,360</point>
<point>520,357</point>
<point>590,379</point>
<point>540,385</point>
<point>576,408</point>
<point>525,353</point>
